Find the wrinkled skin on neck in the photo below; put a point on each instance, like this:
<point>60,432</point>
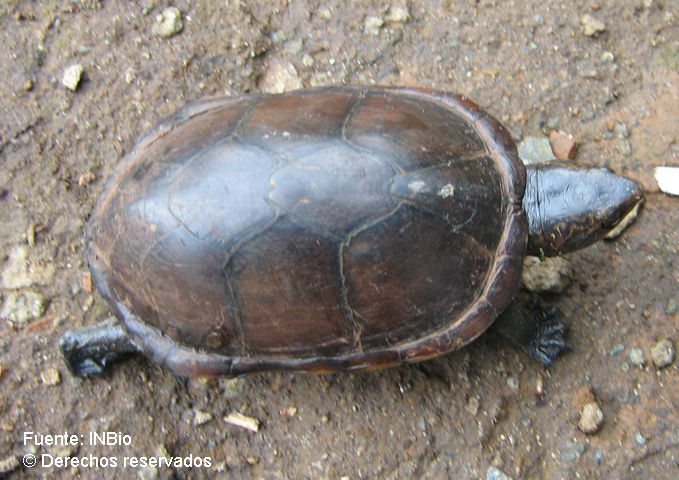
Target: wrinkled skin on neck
<point>571,208</point>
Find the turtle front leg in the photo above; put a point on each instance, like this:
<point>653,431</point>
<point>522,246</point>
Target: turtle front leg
<point>89,351</point>
<point>534,328</point>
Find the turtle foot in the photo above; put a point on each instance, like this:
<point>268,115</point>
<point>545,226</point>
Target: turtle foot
<point>89,351</point>
<point>549,340</point>
<point>535,328</point>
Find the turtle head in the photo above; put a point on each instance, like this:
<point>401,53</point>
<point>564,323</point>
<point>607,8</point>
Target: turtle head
<point>571,208</point>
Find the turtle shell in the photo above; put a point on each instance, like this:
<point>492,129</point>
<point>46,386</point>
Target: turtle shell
<point>340,228</point>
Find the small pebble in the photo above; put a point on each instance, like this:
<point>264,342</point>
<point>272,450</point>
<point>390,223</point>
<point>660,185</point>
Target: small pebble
<point>289,412</point>
<point>168,23</point>
<point>668,179</point>
<point>200,417</point>
<point>553,274</point>
<point>472,405</point>
<point>19,272</point>
<point>563,145</point>
<point>20,307</point>
<point>624,147</point>
<point>243,421</point>
<point>372,25</point>
<point>325,13</point>
<point>308,61</point>
<point>637,357</point>
<point>148,473</point>
<point>9,464</point>
<point>591,26</point>
<point>640,439</point>
<point>397,15</point>
<point>619,348</point>
<point>662,353</point>
<point>232,387</point>
<point>671,308</point>
<point>495,474</point>
<point>621,130</point>
<point>72,76</point>
<point>607,57</point>
<point>535,150</point>
<point>281,76</point>
<point>50,376</point>
<point>591,418</point>
<point>513,384</point>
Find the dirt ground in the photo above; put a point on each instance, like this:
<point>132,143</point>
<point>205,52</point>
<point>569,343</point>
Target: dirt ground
<point>476,413</point>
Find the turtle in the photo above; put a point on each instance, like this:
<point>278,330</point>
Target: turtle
<point>330,229</point>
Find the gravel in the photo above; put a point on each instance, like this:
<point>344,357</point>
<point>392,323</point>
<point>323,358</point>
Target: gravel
<point>637,357</point>
<point>20,307</point>
<point>552,274</point>
<point>591,418</point>
<point>591,26</point>
<point>662,353</point>
<point>168,23</point>
<point>535,150</point>
<point>72,76</point>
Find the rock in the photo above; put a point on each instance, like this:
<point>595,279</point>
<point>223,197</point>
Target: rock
<point>591,418</point>
<point>535,150</point>
<point>624,147</point>
<point>552,274</point>
<point>50,377</point>
<point>72,76</point>
<point>168,23</point>
<point>280,77</point>
<point>668,179</point>
<point>618,348</point>
<point>308,61</point>
<point>671,308</point>
<point>494,474</point>
<point>563,145</point>
<point>621,130</point>
<point>591,26</point>
<point>148,473</point>
<point>200,417</point>
<point>637,357</point>
<point>9,464</point>
<point>513,384</point>
<point>243,421</point>
<point>232,387</point>
<point>472,405</point>
<point>372,25</point>
<point>662,353</point>
<point>639,438</point>
<point>20,307</point>
<point>20,273</point>
<point>397,15</point>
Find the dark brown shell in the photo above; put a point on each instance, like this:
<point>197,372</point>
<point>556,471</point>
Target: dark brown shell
<point>341,228</point>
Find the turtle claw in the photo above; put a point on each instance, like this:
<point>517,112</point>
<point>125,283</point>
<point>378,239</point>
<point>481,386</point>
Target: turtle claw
<point>549,340</point>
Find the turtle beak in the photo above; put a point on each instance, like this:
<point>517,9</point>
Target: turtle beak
<point>620,204</point>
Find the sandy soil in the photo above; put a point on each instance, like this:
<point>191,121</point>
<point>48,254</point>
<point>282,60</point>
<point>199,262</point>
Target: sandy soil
<point>471,414</point>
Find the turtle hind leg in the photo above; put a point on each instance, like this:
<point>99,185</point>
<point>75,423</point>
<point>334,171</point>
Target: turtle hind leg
<point>533,327</point>
<point>89,351</point>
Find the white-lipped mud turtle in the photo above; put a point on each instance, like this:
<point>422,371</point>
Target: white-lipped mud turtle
<point>331,229</point>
